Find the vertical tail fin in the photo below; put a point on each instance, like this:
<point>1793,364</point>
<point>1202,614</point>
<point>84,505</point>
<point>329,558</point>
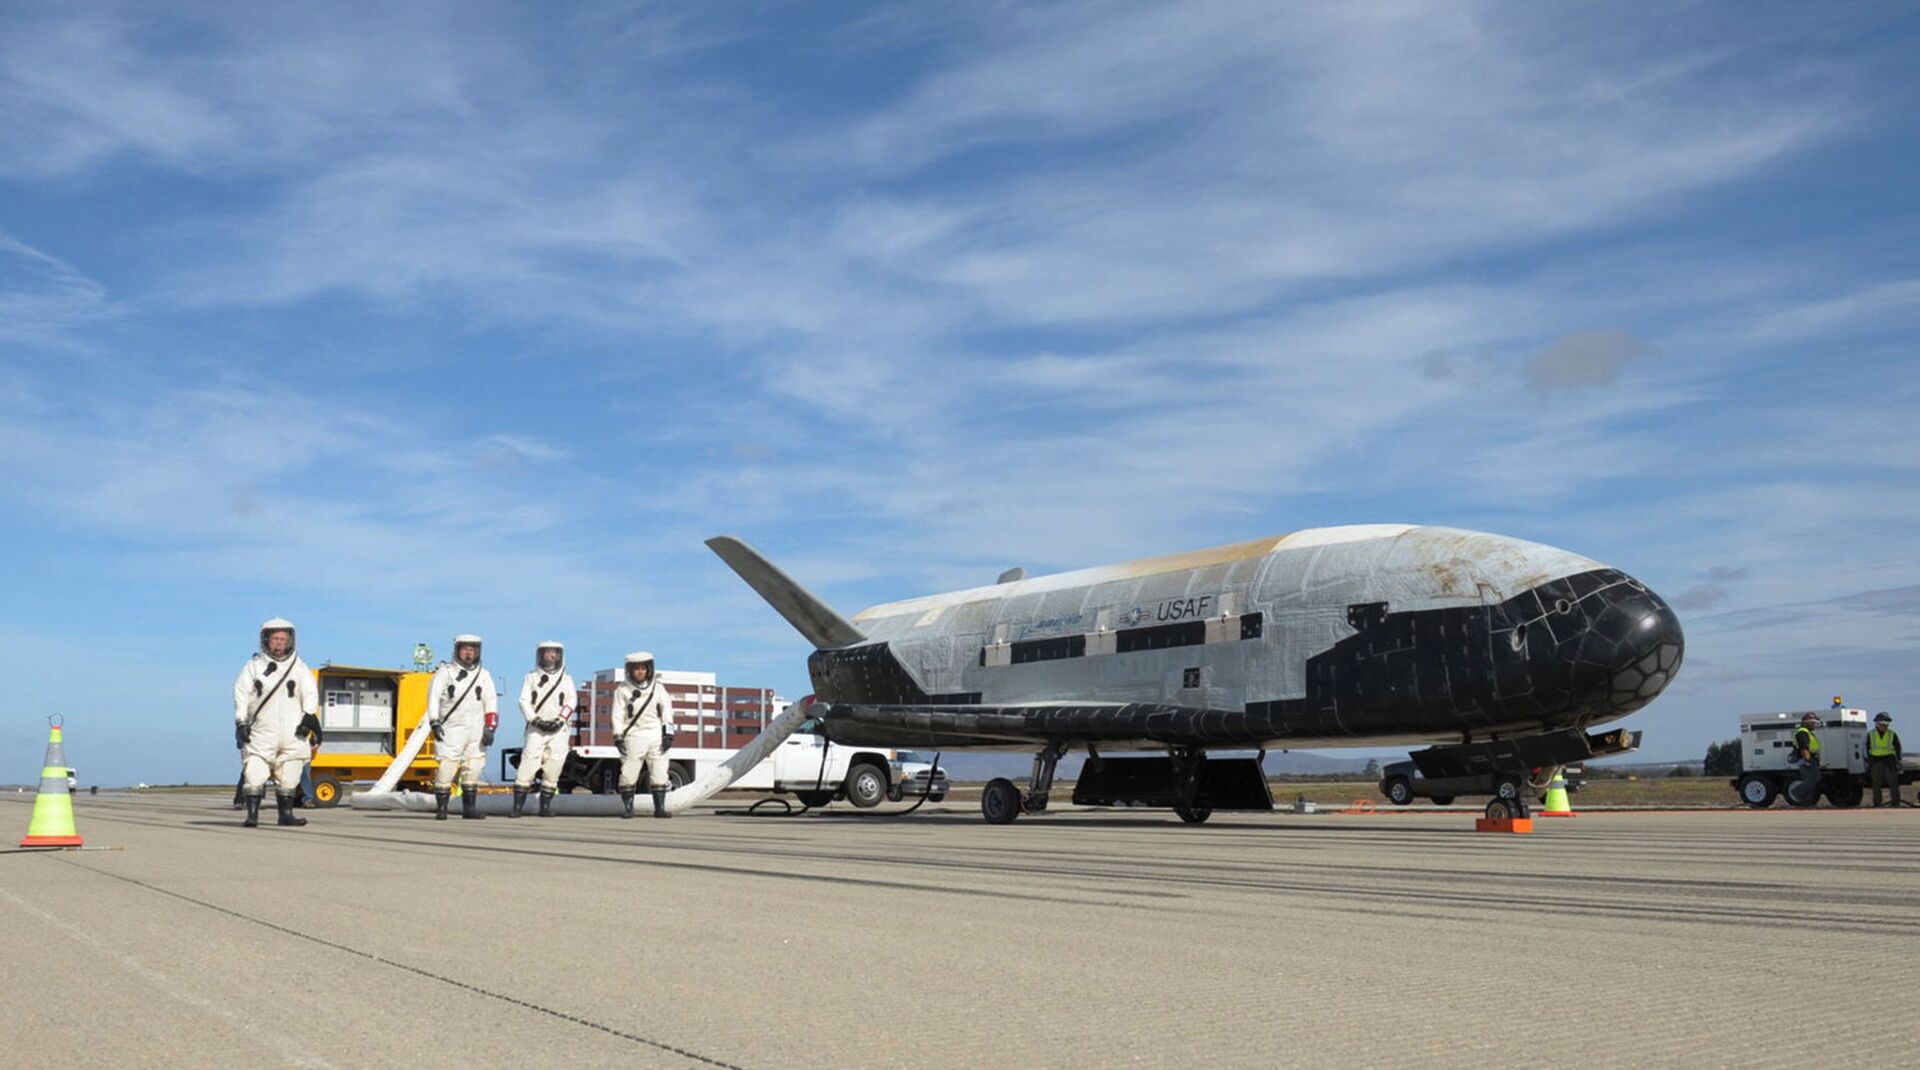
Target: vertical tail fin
<point>809,616</point>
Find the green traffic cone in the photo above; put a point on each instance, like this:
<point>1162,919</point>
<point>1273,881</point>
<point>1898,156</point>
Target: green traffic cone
<point>1557,804</point>
<point>52,823</point>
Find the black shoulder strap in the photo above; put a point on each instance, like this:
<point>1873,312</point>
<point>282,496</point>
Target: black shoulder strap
<point>455,704</point>
<point>542,704</point>
<point>632,717</point>
<point>266,694</point>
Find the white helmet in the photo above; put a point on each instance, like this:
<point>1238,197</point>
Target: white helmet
<point>558,648</point>
<point>636,659</point>
<point>466,640</point>
<point>277,624</point>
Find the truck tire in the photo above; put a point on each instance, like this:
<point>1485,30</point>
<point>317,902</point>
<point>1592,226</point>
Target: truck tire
<point>679,775</point>
<point>1793,798</point>
<point>1843,794</point>
<point>1000,801</point>
<point>866,785</point>
<point>1399,791</point>
<point>1757,791</point>
<point>327,790</point>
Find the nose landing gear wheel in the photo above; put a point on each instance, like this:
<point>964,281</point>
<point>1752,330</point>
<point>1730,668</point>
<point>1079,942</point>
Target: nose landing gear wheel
<point>1000,801</point>
<point>1194,815</point>
<point>1506,809</point>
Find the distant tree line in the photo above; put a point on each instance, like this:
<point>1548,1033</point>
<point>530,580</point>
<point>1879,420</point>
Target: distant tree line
<point>1723,759</point>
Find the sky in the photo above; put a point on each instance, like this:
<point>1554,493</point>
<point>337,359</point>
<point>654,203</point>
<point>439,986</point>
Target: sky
<point>402,320</point>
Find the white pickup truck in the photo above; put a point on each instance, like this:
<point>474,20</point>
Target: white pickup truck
<point>804,766</point>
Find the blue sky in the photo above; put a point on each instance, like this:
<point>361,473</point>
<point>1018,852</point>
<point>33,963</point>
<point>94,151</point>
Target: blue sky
<point>402,320</point>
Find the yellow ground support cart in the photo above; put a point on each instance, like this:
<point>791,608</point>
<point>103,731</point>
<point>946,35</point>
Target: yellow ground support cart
<point>367,715</point>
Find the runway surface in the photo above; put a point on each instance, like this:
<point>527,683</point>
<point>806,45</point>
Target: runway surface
<point>1079,938</point>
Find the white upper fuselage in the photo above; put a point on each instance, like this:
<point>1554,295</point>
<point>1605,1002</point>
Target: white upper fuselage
<point>1268,605</point>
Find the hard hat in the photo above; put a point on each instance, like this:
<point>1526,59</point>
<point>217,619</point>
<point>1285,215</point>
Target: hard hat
<point>466,640</point>
<point>1883,717</point>
<point>277,624</point>
<point>638,658</point>
<point>554,645</point>
<point>1809,716</point>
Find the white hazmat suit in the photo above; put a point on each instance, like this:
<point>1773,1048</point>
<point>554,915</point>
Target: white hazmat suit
<point>463,707</point>
<point>547,698</point>
<point>272,696</point>
<point>642,729</point>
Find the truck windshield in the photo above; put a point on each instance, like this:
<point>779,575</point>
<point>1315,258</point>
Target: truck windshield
<point>909,756</point>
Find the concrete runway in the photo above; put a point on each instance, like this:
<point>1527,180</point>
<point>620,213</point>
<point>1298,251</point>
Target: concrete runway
<point>1081,938</point>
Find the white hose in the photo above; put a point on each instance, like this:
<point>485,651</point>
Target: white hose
<point>402,761</point>
<point>722,776</point>
<point>718,779</point>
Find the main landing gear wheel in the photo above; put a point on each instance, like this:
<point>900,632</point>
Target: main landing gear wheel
<point>1757,791</point>
<point>1399,791</point>
<point>1000,801</point>
<point>1194,815</point>
<point>1442,800</point>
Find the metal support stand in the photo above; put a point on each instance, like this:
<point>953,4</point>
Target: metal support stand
<point>1041,783</point>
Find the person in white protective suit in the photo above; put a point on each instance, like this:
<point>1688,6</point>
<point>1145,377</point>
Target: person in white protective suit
<point>275,722</point>
<point>643,730</point>
<point>546,701</point>
<point>463,710</point>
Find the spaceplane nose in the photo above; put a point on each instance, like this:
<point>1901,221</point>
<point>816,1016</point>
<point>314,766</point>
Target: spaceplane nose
<point>1635,639</point>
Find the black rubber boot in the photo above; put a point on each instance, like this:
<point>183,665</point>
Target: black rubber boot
<point>546,804</point>
<point>626,803</point>
<point>660,803</point>
<point>440,804</point>
<point>519,801</point>
<point>284,800</point>
<point>253,812</point>
<point>470,804</point>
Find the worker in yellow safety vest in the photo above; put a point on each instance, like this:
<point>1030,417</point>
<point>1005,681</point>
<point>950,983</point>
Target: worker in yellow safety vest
<point>1806,758</point>
<point>1883,758</point>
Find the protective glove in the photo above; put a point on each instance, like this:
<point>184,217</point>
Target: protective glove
<point>666,740</point>
<point>240,734</point>
<point>486,739</point>
<point>438,734</point>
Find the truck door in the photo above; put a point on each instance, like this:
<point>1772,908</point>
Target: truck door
<point>797,760</point>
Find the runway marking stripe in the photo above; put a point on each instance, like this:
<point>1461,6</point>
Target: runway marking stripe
<point>430,975</point>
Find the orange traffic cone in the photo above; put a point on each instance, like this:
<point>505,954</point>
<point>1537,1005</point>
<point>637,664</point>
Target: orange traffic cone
<point>52,822</point>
